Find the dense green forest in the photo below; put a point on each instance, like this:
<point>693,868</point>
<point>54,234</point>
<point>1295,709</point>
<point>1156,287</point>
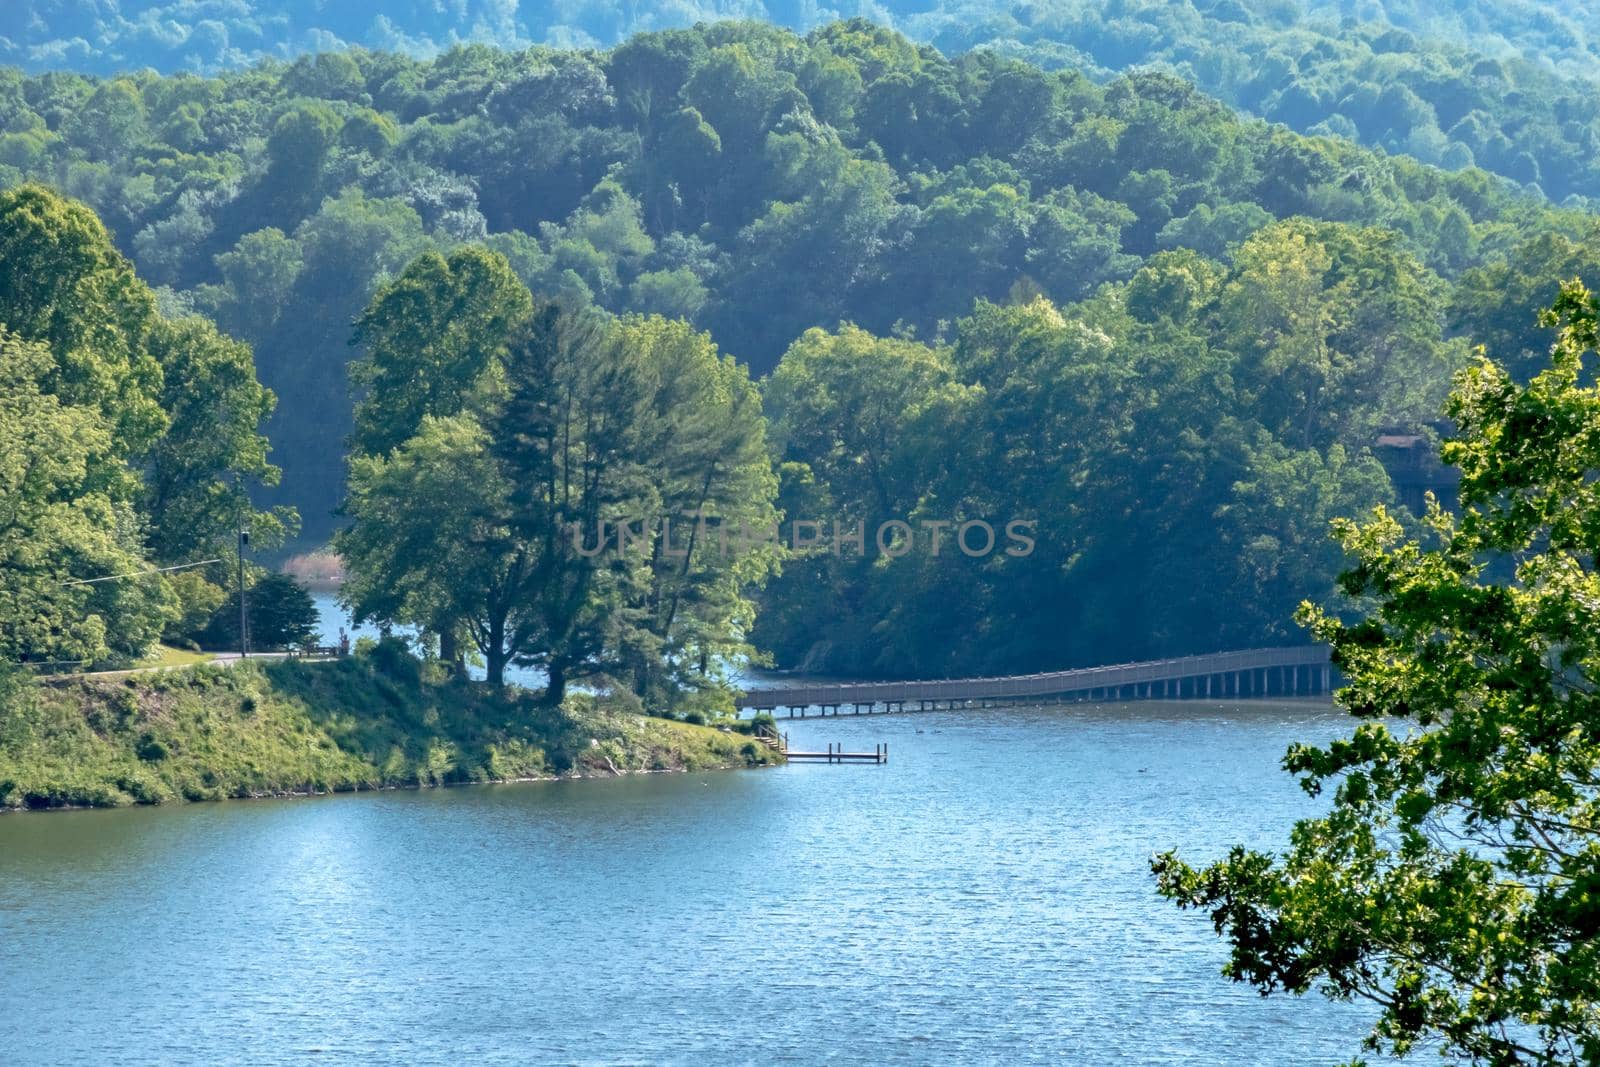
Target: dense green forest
<point>1510,88</point>
<point>1163,335</point>
<point>751,181</point>
<point>1442,89</point>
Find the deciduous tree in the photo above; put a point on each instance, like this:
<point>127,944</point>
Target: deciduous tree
<point>1452,880</point>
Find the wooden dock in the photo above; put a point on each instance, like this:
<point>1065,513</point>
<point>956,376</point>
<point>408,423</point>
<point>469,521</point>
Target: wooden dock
<point>1256,673</point>
<point>779,743</point>
<point>836,754</point>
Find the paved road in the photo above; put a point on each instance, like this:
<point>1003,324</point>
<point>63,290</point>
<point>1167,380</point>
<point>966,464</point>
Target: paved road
<point>221,659</point>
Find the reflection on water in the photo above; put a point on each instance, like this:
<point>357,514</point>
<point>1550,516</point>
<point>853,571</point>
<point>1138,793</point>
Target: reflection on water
<point>983,897</point>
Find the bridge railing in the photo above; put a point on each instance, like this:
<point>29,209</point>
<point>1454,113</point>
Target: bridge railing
<point>1053,683</point>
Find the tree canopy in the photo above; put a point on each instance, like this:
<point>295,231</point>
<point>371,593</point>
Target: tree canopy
<point>130,440</point>
<point>518,472</point>
<point>749,180</point>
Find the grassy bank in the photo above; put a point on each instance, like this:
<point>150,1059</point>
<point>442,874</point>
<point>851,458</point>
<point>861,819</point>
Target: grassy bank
<point>209,732</point>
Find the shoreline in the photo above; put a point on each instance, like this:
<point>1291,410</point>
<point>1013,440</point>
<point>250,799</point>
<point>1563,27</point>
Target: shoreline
<point>265,730</point>
<point>393,787</point>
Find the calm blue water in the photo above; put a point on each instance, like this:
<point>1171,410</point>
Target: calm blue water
<point>983,898</point>
<point>332,619</point>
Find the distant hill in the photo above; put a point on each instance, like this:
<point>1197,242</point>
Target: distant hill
<point>1507,87</point>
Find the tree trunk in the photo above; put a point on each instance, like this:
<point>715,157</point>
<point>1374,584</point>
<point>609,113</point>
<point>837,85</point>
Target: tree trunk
<point>555,691</point>
<point>450,650</point>
<point>496,653</point>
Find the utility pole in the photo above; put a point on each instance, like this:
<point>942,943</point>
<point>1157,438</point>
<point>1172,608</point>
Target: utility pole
<point>244,626</point>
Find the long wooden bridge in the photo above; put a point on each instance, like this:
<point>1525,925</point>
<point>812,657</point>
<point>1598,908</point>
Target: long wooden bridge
<point>1257,672</point>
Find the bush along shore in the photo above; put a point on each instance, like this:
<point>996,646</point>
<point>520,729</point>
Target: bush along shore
<point>286,728</point>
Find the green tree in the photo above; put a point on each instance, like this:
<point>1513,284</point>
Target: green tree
<point>430,337</point>
<point>856,423</point>
<point>111,122</point>
<point>1453,881</point>
<point>498,518</point>
<point>279,613</point>
<point>60,527</point>
<point>1337,329</point>
<point>571,441</point>
<point>197,476</point>
<point>258,277</point>
<point>426,545</point>
<point>471,522</point>
<point>64,283</point>
<point>137,436</point>
<point>715,484</point>
<point>297,151</point>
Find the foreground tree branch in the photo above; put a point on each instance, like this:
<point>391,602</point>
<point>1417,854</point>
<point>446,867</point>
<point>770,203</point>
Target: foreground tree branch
<point>1455,880</point>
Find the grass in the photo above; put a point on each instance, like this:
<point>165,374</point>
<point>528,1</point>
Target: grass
<point>167,656</point>
<point>263,729</point>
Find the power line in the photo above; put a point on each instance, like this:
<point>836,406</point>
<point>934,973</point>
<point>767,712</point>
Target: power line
<point>139,574</point>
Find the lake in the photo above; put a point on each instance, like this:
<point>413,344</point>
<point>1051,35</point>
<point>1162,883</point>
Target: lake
<point>983,897</point>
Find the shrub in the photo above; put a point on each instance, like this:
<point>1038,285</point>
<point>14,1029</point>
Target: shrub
<point>124,703</point>
<point>150,748</point>
<point>391,657</point>
<point>198,602</point>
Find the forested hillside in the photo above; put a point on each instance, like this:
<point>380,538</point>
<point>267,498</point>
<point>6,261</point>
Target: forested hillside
<point>754,182</point>
<point>1510,88</point>
<point>1445,89</point>
<point>1179,330</point>
<point>102,36</point>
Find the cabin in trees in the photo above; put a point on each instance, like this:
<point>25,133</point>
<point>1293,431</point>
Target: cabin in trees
<point>1412,460</point>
